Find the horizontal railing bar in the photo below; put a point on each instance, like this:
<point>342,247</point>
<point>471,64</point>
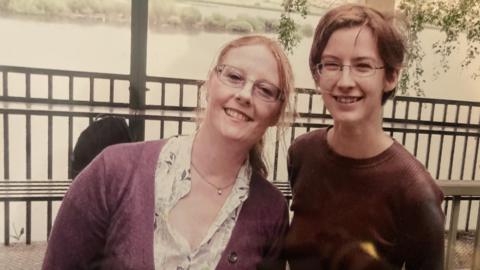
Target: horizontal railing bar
<point>93,114</point>
<point>33,192</point>
<point>437,101</point>
<point>449,187</point>
<point>32,189</point>
<point>57,197</point>
<point>60,72</point>
<point>126,77</point>
<point>36,181</point>
<point>53,101</point>
<point>460,187</point>
<point>389,120</point>
<point>174,80</point>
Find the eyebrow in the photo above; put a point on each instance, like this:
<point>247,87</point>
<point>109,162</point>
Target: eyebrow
<point>244,73</point>
<point>360,58</point>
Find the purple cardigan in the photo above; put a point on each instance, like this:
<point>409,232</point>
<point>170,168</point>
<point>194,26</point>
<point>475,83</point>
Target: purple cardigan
<point>106,218</point>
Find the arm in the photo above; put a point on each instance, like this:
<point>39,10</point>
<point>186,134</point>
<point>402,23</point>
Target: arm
<point>424,227</point>
<point>273,258</point>
<point>78,235</point>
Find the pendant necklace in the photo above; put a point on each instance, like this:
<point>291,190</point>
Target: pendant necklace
<point>219,189</point>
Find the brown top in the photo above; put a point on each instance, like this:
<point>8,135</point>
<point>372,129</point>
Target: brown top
<point>389,200</point>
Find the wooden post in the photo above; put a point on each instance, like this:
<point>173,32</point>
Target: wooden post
<point>138,64</point>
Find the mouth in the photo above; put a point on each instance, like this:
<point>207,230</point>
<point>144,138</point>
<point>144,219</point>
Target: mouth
<point>347,99</point>
<point>238,115</point>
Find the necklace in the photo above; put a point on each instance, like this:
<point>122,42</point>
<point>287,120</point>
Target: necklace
<point>219,189</point>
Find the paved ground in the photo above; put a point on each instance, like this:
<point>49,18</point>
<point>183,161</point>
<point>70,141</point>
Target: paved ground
<point>29,257</point>
<point>20,256</point>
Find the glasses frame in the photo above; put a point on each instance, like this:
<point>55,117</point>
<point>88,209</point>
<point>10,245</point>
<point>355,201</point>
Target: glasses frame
<point>221,67</point>
<point>319,65</point>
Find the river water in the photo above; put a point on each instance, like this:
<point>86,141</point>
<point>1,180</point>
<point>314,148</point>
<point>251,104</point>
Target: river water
<point>103,48</point>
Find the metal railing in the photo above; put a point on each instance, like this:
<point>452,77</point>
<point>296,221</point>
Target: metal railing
<point>53,106</point>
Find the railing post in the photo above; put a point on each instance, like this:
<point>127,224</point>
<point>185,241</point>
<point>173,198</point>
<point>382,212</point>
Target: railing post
<point>452,233</point>
<point>476,245</point>
<point>138,64</point>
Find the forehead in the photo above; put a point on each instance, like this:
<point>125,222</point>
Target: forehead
<point>257,60</point>
<point>352,43</point>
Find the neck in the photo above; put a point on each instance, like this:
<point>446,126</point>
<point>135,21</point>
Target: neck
<point>358,141</point>
<point>217,158</point>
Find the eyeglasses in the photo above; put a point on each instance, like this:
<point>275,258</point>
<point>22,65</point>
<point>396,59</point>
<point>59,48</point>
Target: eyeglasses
<point>236,78</point>
<point>360,69</point>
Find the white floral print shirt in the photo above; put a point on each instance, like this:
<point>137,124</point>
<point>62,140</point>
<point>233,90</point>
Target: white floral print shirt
<point>173,182</point>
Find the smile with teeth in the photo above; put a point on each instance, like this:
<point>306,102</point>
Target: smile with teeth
<point>237,115</point>
<point>346,99</point>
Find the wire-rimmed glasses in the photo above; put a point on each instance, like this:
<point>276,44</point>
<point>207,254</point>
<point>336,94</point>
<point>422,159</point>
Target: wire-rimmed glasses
<point>236,78</point>
<point>333,69</point>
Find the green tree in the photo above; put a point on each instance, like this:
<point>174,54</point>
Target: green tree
<point>454,19</point>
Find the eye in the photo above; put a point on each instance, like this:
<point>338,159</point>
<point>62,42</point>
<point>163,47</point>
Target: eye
<point>330,66</point>
<point>363,67</point>
<point>233,76</point>
<point>267,90</point>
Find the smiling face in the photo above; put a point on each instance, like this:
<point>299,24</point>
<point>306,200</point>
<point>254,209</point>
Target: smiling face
<point>351,98</point>
<point>236,114</point>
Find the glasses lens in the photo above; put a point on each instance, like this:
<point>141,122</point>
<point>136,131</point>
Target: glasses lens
<point>267,91</point>
<point>235,78</point>
<point>328,68</point>
<point>231,76</point>
<point>363,69</point>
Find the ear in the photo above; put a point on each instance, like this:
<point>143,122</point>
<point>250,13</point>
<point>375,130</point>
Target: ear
<point>391,83</point>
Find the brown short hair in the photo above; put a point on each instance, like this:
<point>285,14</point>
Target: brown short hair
<point>390,39</point>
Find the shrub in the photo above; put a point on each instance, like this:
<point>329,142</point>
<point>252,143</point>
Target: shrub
<point>215,22</point>
<point>174,21</point>
<point>36,7</point>
<point>271,25</point>
<point>190,16</point>
<point>118,7</point>
<point>161,10</point>
<point>239,26</point>
<point>86,6</point>
<point>257,23</point>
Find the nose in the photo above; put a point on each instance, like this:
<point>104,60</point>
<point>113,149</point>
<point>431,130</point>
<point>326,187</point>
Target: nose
<point>346,79</point>
<point>244,94</point>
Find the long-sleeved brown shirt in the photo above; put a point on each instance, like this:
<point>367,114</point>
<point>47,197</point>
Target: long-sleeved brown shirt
<point>389,200</point>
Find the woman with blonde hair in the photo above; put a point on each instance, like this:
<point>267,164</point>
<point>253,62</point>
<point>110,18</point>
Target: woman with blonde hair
<point>189,202</point>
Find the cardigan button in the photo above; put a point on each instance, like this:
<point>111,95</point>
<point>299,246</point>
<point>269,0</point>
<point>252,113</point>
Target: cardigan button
<point>232,257</point>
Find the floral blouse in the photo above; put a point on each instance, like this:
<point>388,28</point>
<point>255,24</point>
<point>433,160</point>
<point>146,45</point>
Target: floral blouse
<point>172,183</point>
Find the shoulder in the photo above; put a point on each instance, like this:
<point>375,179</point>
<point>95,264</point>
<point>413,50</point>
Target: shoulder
<point>133,150</point>
<point>416,188</point>
<point>265,196</point>
<point>306,141</point>
<point>416,178</point>
<point>119,164</point>
<point>310,137</point>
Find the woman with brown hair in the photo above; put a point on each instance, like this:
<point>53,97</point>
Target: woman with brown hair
<point>360,199</point>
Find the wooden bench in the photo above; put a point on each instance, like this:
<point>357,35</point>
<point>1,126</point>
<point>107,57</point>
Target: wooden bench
<point>53,190</point>
<point>29,191</point>
<point>33,190</point>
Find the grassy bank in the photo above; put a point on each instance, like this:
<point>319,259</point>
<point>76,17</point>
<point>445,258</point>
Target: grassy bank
<point>164,15</point>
